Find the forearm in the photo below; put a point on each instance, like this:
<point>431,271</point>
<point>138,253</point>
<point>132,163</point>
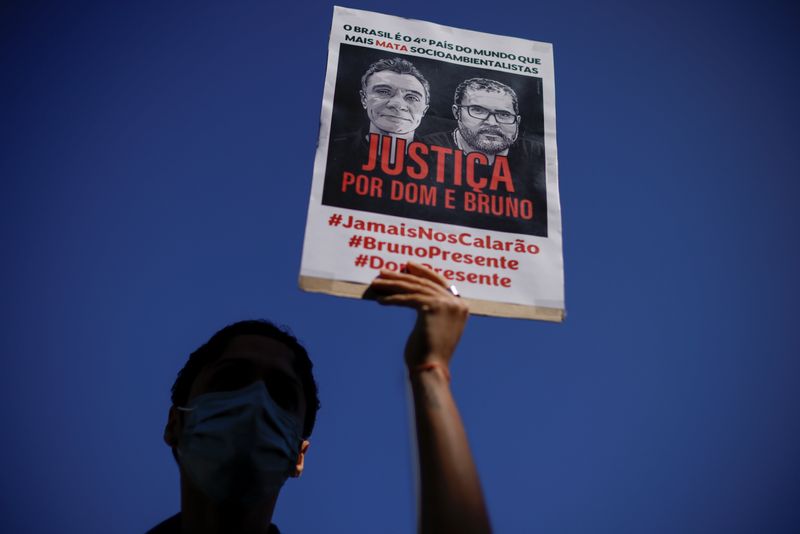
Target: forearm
<point>451,496</point>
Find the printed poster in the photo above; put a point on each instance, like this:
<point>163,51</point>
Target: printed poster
<point>437,145</point>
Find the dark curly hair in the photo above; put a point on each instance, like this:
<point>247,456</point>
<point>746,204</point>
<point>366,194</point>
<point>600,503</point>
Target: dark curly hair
<point>485,84</point>
<point>214,347</point>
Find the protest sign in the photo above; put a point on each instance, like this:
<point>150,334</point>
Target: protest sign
<point>437,145</point>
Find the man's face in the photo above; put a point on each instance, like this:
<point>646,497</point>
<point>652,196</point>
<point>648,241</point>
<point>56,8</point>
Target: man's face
<point>248,359</point>
<point>487,135</point>
<point>395,103</point>
<point>252,358</point>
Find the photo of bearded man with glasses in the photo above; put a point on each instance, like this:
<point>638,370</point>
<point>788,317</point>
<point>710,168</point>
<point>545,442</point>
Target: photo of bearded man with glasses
<point>488,122</point>
<point>488,117</point>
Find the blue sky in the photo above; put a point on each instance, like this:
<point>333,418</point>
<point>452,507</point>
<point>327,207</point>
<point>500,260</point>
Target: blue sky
<point>155,165</point>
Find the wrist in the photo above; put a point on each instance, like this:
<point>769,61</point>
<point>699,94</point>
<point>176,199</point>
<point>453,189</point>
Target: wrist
<point>436,368</point>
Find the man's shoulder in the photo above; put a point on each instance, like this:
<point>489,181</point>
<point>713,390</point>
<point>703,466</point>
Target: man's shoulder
<point>172,525</point>
<point>444,139</point>
<point>168,526</point>
<point>530,145</point>
<point>350,138</point>
<point>347,148</point>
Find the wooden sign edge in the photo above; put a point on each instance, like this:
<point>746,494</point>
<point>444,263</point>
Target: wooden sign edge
<point>477,307</point>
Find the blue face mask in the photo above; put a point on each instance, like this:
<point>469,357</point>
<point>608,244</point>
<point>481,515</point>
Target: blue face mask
<point>238,446</point>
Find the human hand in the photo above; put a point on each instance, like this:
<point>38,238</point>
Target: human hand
<point>441,316</point>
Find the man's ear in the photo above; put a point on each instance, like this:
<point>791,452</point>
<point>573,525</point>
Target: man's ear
<point>173,427</point>
<point>363,98</point>
<point>455,112</point>
<point>301,459</point>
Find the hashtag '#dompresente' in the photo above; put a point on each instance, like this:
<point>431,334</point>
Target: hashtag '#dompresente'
<point>355,241</point>
<point>361,260</point>
<point>335,220</point>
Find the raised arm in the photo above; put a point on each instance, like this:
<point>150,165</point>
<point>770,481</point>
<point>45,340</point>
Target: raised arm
<point>451,500</point>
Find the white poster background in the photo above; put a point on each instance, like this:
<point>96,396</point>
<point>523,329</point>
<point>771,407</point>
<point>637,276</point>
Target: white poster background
<point>329,261</point>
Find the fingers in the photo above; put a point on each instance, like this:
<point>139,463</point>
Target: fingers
<point>409,285</point>
<point>417,274</point>
<point>429,274</point>
<point>412,300</point>
<point>416,287</point>
<point>415,270</point>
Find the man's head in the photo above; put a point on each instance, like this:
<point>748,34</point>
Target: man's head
<point>488,116</point>
<point>396,96</point>
<point>241,355</point>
